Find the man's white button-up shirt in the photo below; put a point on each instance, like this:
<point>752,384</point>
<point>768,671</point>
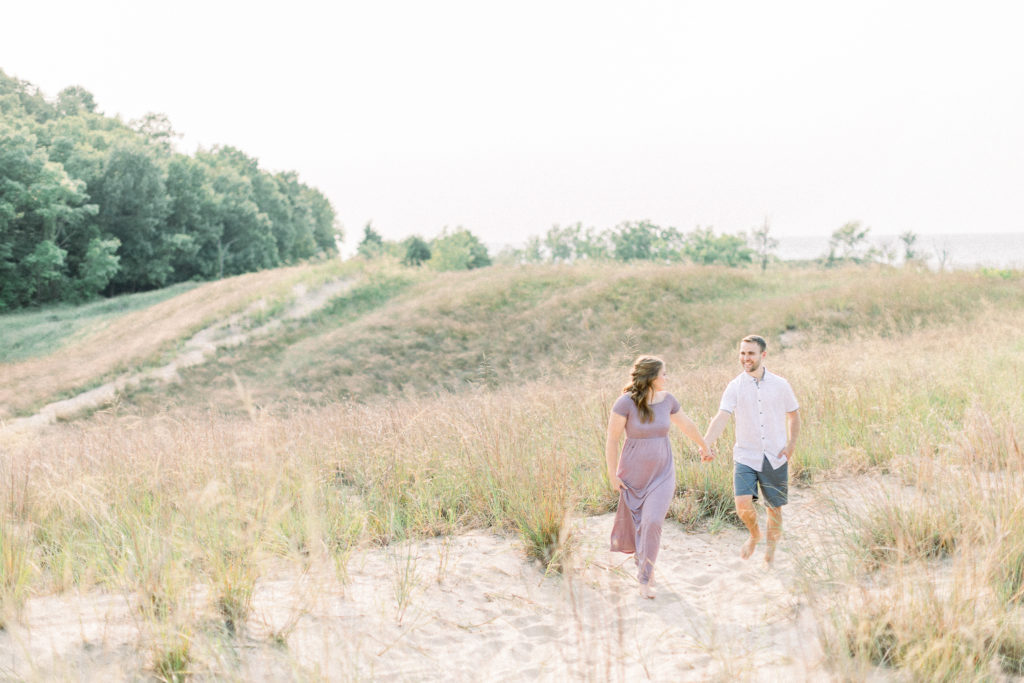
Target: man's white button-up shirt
<point>759,407</point>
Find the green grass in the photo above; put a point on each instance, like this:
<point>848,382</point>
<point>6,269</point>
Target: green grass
<point>153,335</point>
<point>407,332</point>
<point>28,334</point>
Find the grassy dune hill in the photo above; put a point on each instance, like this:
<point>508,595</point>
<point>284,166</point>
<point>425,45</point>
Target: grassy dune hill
<point>55,353</point>
<point>422,404</point>
<point>402,332</point>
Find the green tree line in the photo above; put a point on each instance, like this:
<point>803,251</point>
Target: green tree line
<point>646,241</point>
<point>91,205</point>
<point>635,241</point>
<point>457,249</point>
<point>641,240</point>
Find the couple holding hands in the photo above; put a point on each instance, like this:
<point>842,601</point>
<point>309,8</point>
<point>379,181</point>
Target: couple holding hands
<point>767,425</point>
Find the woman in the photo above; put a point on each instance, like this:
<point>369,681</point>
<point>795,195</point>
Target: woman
<point>645,475</point>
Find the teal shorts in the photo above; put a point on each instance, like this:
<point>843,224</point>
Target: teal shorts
<point>774,483</point>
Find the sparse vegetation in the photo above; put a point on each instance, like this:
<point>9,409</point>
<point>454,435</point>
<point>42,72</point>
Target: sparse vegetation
<point>421,404</point>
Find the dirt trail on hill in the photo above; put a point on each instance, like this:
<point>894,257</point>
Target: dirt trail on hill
<point>234,331</point>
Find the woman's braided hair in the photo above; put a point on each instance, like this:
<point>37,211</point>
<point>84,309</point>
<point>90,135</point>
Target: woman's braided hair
<point>645,371</point>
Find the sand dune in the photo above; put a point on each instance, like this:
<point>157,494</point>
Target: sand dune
<point>469,608</point>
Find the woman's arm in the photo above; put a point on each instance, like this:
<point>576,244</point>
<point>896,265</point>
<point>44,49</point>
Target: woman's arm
<point>717,426</point>
<point>690,430</point>
<point>616,425</point>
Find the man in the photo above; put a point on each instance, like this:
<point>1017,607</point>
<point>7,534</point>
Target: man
<point>767,425</point>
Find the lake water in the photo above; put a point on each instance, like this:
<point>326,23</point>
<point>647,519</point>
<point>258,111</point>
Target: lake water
<point>960,251</point>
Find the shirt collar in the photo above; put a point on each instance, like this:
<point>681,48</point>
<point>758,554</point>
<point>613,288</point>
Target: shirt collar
<point>755,380</point>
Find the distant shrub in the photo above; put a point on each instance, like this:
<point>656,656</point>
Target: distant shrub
<point>458,250</point>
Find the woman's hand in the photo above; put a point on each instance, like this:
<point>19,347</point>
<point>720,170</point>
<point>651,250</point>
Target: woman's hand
<point>706,454</point>
<point>616,483</point>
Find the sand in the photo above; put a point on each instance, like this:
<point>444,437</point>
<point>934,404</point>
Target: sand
<point>469,607</point>
<point>235,330</point>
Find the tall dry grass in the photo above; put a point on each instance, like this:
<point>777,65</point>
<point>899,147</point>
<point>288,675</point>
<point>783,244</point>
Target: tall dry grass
<point>183,510</point>
<point>922,569</point>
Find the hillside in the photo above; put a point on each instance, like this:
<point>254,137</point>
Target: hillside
<point>402,332</point>
<point>63,351</point>
<point>422,454</point>
<point>410,332</point>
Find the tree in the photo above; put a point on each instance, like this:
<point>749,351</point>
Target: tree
<point>645,241</point>
<point>90,204</point>
<point>764,244</point>
<point>98,268</point>
<point>245,236</point>
<point>458,250</point>
<point>192,216</point>
<point>533,250</point>
<point>910,253</point>
<point>849,243</point>
<point>372,244</point>
<point>22,99</point>
<point>75,99</point>
<point>590,244</point>
<point>272,196</point>
<point>156,129</point>
<point>44,273</point>
<point>327,233</point>
<point>564,245</point>
<point>633,241</point>
<point>417,251</point>
<point>706,248</point>
<point>43,212</point>
<point>134,205</point>
<point>560,243</point>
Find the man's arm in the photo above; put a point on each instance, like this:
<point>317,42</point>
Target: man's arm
<point>792,432</point>
<point>716,427</point>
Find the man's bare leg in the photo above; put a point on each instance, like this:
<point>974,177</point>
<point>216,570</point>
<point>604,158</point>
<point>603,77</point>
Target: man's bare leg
<point>774,533</point>
<point>748,515</point>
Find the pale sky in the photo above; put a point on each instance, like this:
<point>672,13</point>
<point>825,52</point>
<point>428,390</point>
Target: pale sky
<point>507,118</point>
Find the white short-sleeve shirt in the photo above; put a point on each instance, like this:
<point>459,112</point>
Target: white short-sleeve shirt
<point>760,408</point>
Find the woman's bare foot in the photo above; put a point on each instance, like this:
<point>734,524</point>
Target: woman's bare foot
<point>647,591</point>
<point>748,548</point>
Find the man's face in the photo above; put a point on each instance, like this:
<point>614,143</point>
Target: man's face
<point>751,356</point>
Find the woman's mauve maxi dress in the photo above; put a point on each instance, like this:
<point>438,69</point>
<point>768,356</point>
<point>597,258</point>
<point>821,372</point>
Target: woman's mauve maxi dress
<point>648,474</point>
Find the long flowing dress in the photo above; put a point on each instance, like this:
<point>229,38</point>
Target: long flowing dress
<point>648,474</point>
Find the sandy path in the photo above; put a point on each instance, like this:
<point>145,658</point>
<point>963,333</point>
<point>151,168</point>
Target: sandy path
<point>233,331</point>
<point>471,608</point>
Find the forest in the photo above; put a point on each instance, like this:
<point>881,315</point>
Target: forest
<point>91,205</point>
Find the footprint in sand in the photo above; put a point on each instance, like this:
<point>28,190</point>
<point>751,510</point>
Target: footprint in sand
<point>490,647</point>
<point>543,631</point>
<point>700,580</point>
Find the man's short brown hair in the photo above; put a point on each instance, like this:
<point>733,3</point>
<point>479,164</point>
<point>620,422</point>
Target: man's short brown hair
<point>756,339</point>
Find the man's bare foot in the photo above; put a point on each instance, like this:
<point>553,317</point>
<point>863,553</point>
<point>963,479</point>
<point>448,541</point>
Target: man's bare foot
<point>748,548</point>
<point>769,552</point>
<point>647,591</point>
